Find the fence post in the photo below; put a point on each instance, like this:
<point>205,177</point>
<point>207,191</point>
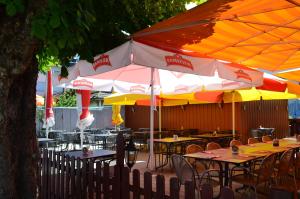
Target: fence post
<point>119,166</point>
<point>189,190</point>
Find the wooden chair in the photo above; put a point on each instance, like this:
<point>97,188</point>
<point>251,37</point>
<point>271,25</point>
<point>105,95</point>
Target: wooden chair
<point>266,138</point>
<point>212,146</point>
<point>185,172</point>
<point>198,165</point>
<point>235,143</point>
<point>193,148</point>
<point>285,175</point>
<point>252,178</point>
<point>252,140</point>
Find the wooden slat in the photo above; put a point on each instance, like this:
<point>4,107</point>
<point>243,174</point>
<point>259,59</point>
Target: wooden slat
<point>91,179</point>
<point>57,177</point>
<point>160,187</point>
<point>98,180</point>
<point>62,177</point>
<point>189,190</point>
<point>78,178</point>
<point>147,185</point>
<point>67,177</point>
<point>49,174</point>
<point>73,178</point>
<point>116,186</point>
<point>207,117</point>
<point>106,182</point>
<point>84,178</point>
<point>174,188</point>
<point>125,193</point>
<point>44,174</point>
<point>136,183</point>
<point>53,176</point>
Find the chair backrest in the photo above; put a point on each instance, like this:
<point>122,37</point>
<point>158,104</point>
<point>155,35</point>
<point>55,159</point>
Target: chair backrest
<point>235,143</point>
<point>252,140</point>
<point>266,138</point>
<point>212,146</point>
<point>184,171</point>
<point>285,162</point>
<point>193,148</point>
<point>266,168</point>
<point>297,165</point>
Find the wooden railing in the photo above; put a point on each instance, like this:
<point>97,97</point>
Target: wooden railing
<point>66,177</point>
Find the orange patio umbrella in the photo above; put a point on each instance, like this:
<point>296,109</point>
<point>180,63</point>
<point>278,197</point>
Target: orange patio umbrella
<point>260,34</point>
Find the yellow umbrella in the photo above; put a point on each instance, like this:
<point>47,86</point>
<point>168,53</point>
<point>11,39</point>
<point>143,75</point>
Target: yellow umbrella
<point>116,115</point>
<point>255,94</point>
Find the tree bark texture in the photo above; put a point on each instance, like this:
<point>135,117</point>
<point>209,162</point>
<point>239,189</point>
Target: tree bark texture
<point>18,74</point>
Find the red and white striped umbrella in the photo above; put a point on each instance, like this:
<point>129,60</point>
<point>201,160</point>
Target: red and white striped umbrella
<point>85,118</point>
<point>49,115</point>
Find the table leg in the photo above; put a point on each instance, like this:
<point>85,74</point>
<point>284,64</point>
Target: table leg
<point>167,157</point>
<point>226,174</point>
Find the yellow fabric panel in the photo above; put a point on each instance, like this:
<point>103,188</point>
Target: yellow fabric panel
<point>124,99</point>
<point>116,115</point>
<point>254,94</point>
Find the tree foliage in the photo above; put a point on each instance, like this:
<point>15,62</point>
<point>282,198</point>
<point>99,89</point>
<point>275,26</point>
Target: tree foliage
<point>67,99</point>
<point>90,27</point>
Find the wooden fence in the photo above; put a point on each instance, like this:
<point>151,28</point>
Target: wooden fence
<point>63,177</point>
<point>67,177</point>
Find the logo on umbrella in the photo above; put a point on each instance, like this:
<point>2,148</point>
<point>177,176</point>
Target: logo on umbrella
<point>137,89</point>
<point>103,60</point>
<point>178,60</point>
<point>83,83</point>
<point>240,74</point>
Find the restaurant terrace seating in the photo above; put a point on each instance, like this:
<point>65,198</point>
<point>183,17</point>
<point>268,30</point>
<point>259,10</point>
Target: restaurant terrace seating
<point>284,178</point>
<point>253,178</point>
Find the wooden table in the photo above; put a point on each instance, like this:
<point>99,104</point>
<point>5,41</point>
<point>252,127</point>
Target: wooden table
<point>210,135</point>
<point>247,153</point>
<point>170,142</point>
<point>95,154</point>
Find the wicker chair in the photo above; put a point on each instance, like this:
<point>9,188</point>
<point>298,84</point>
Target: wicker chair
<point>266,138</point>
<point>185,172</point>
<point>252,178</point>
<point>212,146</point>
<point>284,177</point>
<point>252,140</point>
<point>198,165</point>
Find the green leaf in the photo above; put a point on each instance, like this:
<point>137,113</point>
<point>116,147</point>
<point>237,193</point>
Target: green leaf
<point>61,43</point>
<point>53,51</point>
<point>38,30</point>
<point>54,21</point>
<point>11,9</point>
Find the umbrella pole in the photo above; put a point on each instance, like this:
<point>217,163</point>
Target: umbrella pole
<point>151,121</point>
<point>159,116</point>
<point>233,115</point>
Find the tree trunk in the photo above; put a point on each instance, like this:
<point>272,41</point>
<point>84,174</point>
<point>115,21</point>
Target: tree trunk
<point>18,75</point>
<point>18,145</point>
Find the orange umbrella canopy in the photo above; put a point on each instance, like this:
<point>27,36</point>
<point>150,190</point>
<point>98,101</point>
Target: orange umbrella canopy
<point>261,34</point>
